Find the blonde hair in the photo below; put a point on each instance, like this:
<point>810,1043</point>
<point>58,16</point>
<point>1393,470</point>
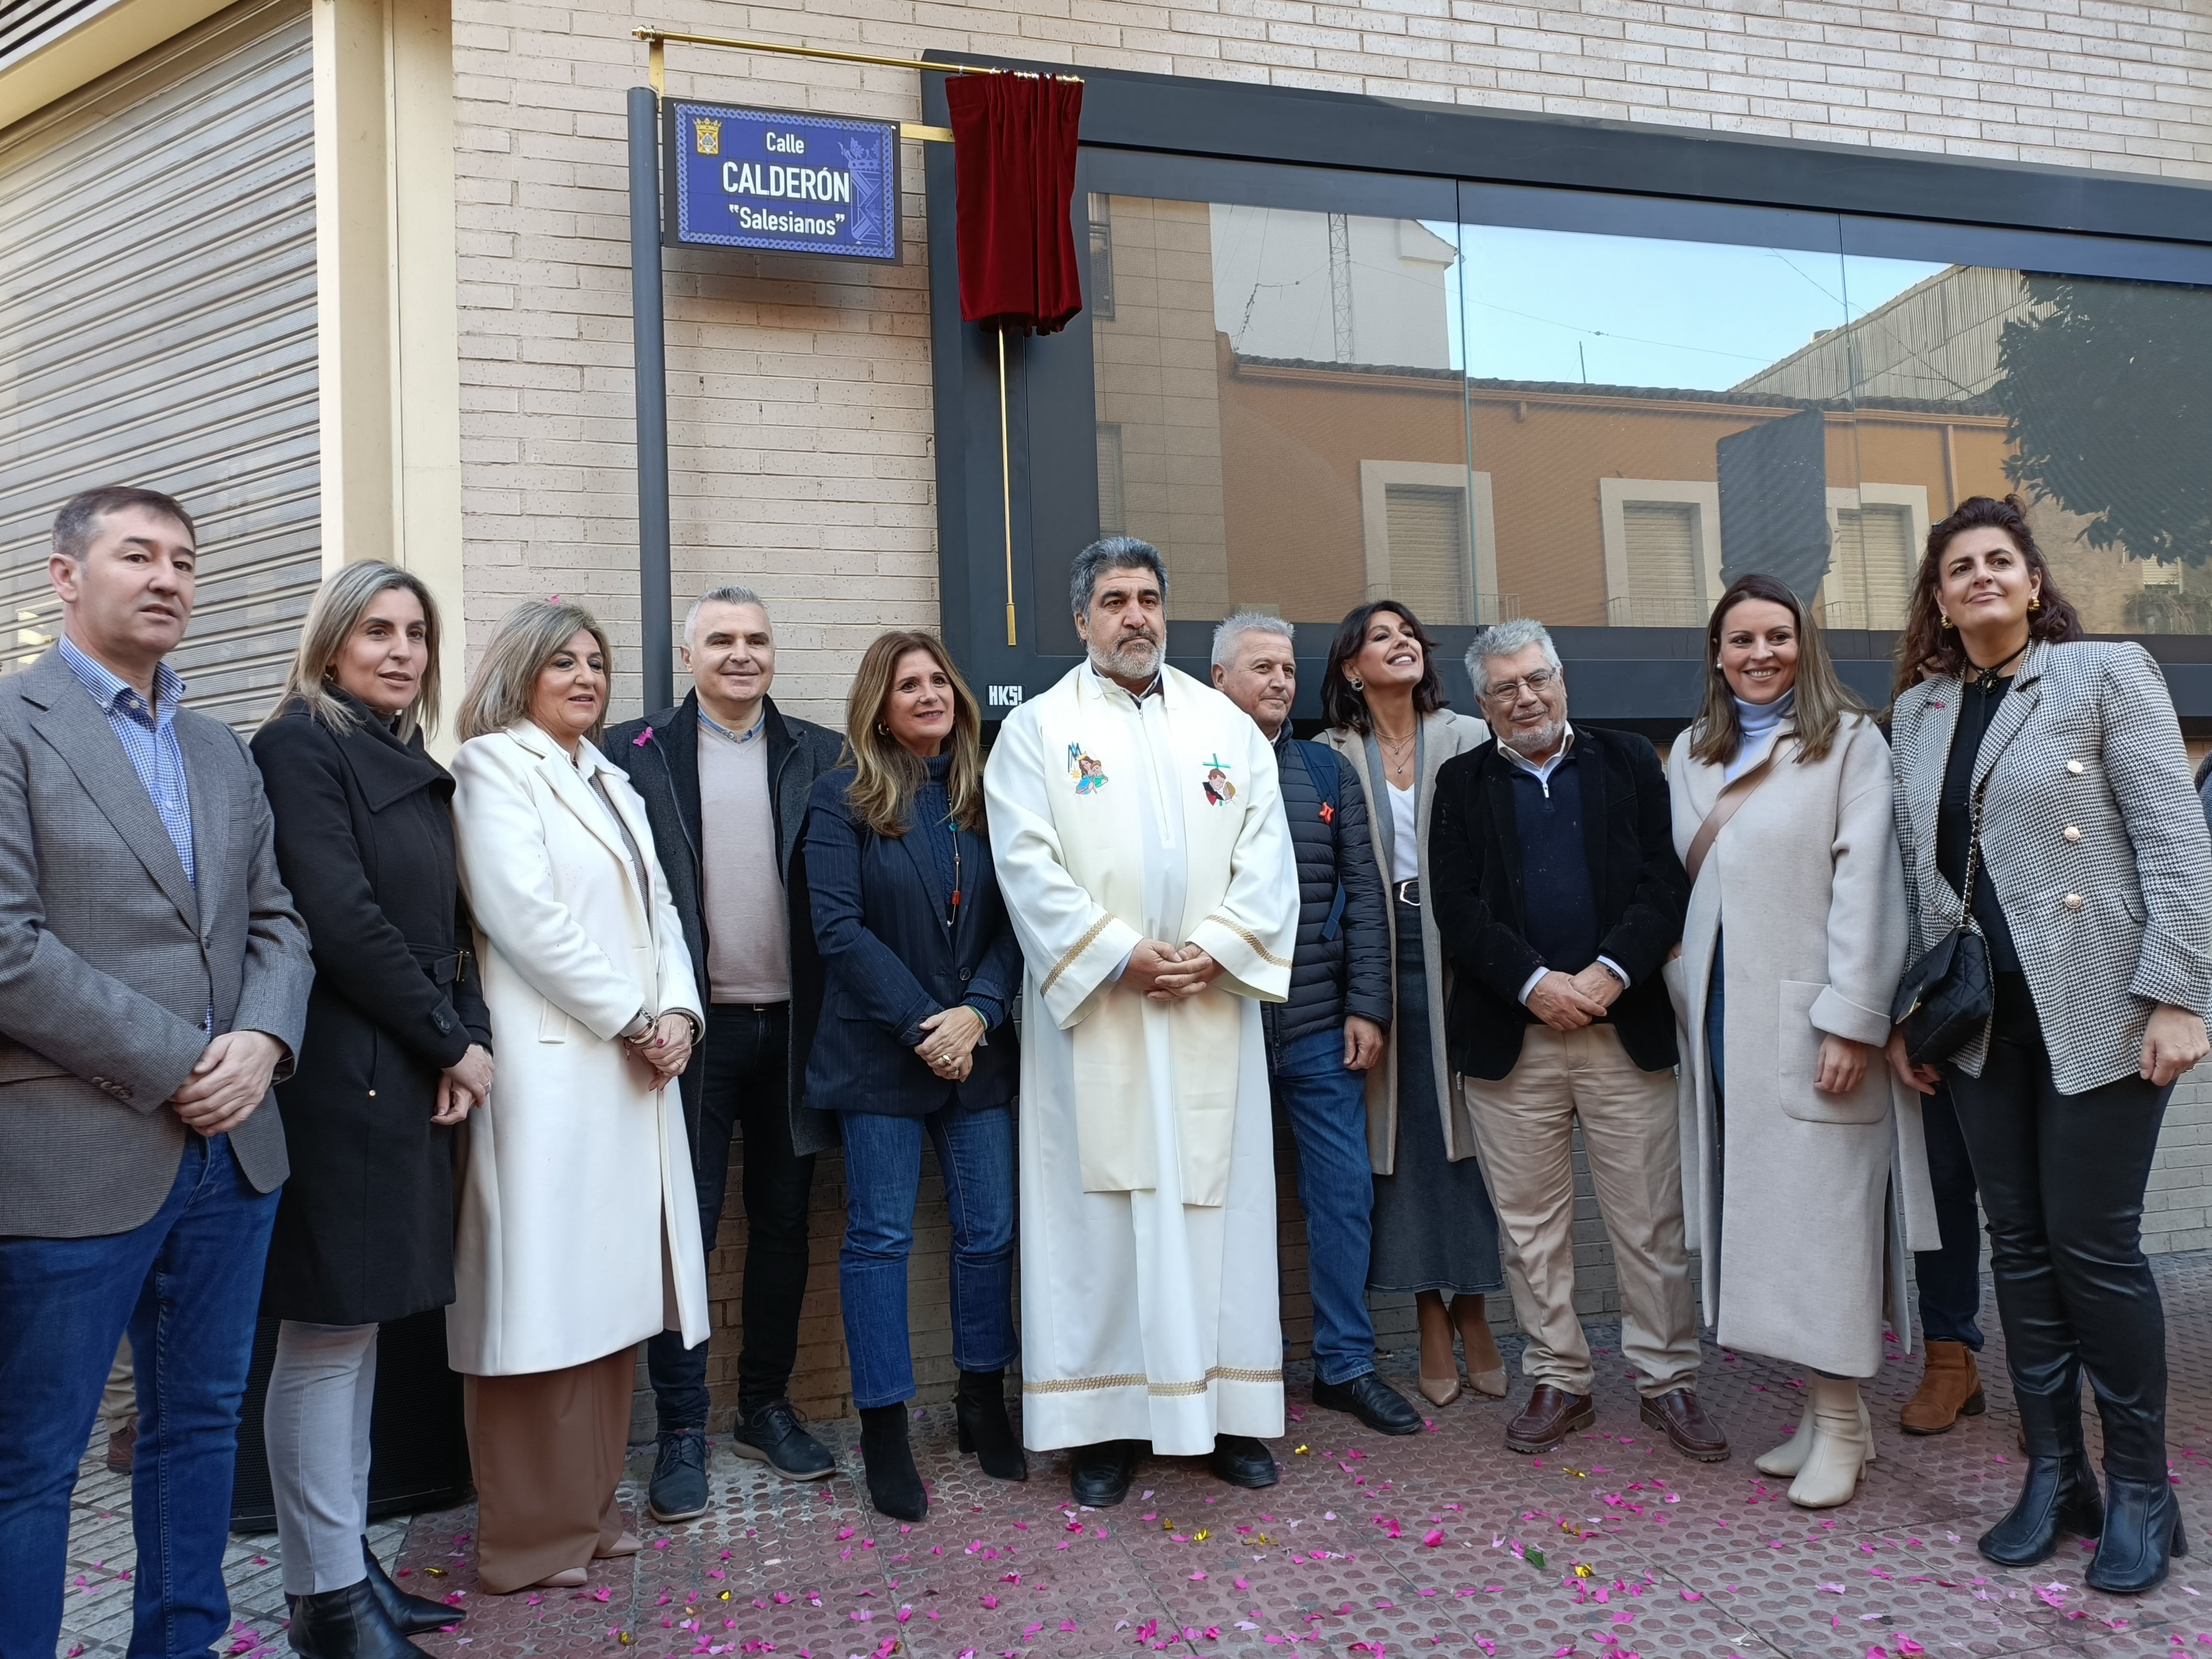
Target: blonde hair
<point>527,638</point>
<point>886,774</point>
<point>1824,702</point>
<point>339,603</point>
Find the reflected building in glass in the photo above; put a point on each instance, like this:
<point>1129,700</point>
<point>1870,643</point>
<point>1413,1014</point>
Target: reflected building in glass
<point>1491,419</point>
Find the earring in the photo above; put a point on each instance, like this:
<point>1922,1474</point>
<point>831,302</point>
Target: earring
<point>2036,603</point>
<point>1947,622</point>
<point>882,731</point>
<point>1355,684</point>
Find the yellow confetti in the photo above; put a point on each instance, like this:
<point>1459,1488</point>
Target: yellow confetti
<point>1582,1570</point>
<point>1167,1526</point>
<point>1569,1526</point>
<point>1265,1538</point>
<point>1201,1535</point>
<point>435,1572</point>
<point>725,1596</point>
<point>1579,1474</point>
<point>625,1638</point>
<point>1298,1452</point>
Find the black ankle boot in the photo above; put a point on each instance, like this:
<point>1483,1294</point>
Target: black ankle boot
<point>980,1407</point>
<point>346,1623</point>
<point>416,1615</point>
<point>2059,1494</point>
<point>894,1483</point>
<point>2143,1530</point>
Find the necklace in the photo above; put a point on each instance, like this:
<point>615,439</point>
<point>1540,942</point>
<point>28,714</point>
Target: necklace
<point>1985,679</point>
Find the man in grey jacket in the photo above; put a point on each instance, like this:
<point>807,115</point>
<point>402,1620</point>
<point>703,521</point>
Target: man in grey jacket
<point>152,983</point>
<point>1321,1042</point>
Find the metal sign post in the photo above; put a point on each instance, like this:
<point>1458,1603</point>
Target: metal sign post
<point>656,601</point>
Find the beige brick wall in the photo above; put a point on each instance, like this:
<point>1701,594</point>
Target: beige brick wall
<point>799,392</point>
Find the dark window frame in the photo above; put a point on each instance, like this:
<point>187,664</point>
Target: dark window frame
<point>1177,137</point>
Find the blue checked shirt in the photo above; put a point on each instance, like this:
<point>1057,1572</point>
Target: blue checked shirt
<point>149,737</point>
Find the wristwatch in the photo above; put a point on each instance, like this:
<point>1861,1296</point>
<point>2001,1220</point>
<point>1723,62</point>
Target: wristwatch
<point>639,1025</point>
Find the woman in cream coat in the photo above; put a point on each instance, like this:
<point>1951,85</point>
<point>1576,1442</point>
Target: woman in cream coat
<point>1804,1170</point>
<point>1436,1232</point>
<point>579,1232</point>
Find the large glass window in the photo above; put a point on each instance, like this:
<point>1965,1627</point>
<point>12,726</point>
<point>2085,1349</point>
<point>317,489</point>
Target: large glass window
<point>1599,411</point>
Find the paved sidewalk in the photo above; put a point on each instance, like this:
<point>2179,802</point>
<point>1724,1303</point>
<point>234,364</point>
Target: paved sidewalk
<point>1612,1547</point>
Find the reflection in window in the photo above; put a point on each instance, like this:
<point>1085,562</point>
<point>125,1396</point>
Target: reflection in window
<point>1307,409</point>
<point>1428,551</point>
<point>1102,259</point>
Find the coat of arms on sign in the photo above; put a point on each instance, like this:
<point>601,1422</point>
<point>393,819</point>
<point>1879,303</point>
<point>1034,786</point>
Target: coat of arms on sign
<point>1089,775</point>
<point>707,135</point>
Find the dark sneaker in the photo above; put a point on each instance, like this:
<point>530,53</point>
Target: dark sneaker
<point>1371,1400</point>
<point>771,1435</point>
<point>679,1492</point>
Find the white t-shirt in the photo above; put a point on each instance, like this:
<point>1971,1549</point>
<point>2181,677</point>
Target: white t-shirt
<point>1405,835</point>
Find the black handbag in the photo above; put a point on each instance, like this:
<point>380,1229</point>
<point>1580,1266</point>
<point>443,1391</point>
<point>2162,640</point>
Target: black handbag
<point>1947,996</point>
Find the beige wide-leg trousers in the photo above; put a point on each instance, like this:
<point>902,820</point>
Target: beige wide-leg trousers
<point>1524,1128</point>
<point>548,1449</point>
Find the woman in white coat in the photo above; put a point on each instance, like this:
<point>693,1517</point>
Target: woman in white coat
<point>1796,1146</point>
<point>579,1232</point>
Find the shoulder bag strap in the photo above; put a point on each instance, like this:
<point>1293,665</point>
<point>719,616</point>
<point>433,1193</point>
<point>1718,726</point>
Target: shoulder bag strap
<point>1730,804</point>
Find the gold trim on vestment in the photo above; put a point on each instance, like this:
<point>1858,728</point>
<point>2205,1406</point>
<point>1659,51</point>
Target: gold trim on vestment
<point>1131,1379</point>
<point>1081,946</point>
<point>1249,937</point>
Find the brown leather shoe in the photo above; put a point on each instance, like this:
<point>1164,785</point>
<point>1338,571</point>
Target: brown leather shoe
<point>123,1447</point>
<point>1950,1389</point>
<point>1550,1417</point>
<point>1678,1415</point>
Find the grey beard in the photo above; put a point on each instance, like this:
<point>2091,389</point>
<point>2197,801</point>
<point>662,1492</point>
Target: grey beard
<point>1542,740</point>
<point>1129,658</point>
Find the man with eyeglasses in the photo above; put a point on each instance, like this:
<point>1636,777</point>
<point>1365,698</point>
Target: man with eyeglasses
<point>1559,894</point>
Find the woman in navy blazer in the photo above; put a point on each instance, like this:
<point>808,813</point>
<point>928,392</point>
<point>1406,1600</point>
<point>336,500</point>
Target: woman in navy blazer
<point>921,969</point>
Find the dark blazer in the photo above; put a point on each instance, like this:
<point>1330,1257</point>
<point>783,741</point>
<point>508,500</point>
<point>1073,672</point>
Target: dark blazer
<point>110,957</point>
<point>891,961</point>
<point>365,841</point>
<point>660,753</point>
<point>1473,883</point>
<point>1342,966</point>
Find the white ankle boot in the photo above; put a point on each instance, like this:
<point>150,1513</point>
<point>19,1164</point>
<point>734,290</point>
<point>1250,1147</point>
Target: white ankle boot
<point>1790,1456</point>
<point>1841,1445</point>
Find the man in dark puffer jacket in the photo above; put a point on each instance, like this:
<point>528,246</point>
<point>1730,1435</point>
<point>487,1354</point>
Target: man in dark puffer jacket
<point>1331,1031</point>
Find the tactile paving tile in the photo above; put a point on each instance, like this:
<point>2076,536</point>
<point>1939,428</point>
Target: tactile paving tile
<point>1369,1548</point>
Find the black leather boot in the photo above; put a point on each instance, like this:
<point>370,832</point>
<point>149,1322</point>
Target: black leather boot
<point>416,1615</point>
<point>2059,1494</point>
<point>894,1483</point>
<point>2142,1533</point>
<point>980,1407</point>
<point>346,1623</point>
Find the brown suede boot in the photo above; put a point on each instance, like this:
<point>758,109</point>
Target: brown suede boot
<point>1951,1387</point>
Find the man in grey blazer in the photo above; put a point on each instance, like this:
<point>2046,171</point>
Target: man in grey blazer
<point>153,982</point>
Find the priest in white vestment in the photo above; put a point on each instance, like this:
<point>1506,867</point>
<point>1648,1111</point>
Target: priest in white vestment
<point>1140,844</point>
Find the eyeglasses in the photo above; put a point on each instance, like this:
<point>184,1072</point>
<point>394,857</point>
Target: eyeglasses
<point>1509,690</point>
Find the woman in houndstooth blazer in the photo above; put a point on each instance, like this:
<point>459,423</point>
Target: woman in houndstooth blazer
<point>2095,892</point>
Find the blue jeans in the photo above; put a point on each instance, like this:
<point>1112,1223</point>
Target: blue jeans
<point>1327,1106</point>
<point>1950,1278</point>
<point>882,1176</point>
<point>187,1284</point>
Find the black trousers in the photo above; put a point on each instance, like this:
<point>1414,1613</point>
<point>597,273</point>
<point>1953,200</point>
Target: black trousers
<point>2062,1179</point>
<point>745,1090</point>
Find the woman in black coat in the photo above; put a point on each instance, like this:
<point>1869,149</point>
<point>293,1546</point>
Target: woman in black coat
<point>914,1046</point>
<point>397,1051</point>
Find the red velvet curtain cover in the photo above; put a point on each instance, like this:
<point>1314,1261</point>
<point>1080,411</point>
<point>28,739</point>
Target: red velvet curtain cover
<point>1013,151</point>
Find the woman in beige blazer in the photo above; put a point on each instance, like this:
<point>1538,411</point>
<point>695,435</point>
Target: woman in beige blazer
<point>579,1227</point>
<point>1804,1175</point>
<point>1436,1233</point>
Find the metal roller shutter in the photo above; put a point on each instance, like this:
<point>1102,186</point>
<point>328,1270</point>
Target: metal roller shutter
<point>157,327</point>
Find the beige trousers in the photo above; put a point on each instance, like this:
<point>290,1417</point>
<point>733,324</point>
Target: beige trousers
<point>1524,1128</point>
<point>118,1400</point>
<point>548,1451</point>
